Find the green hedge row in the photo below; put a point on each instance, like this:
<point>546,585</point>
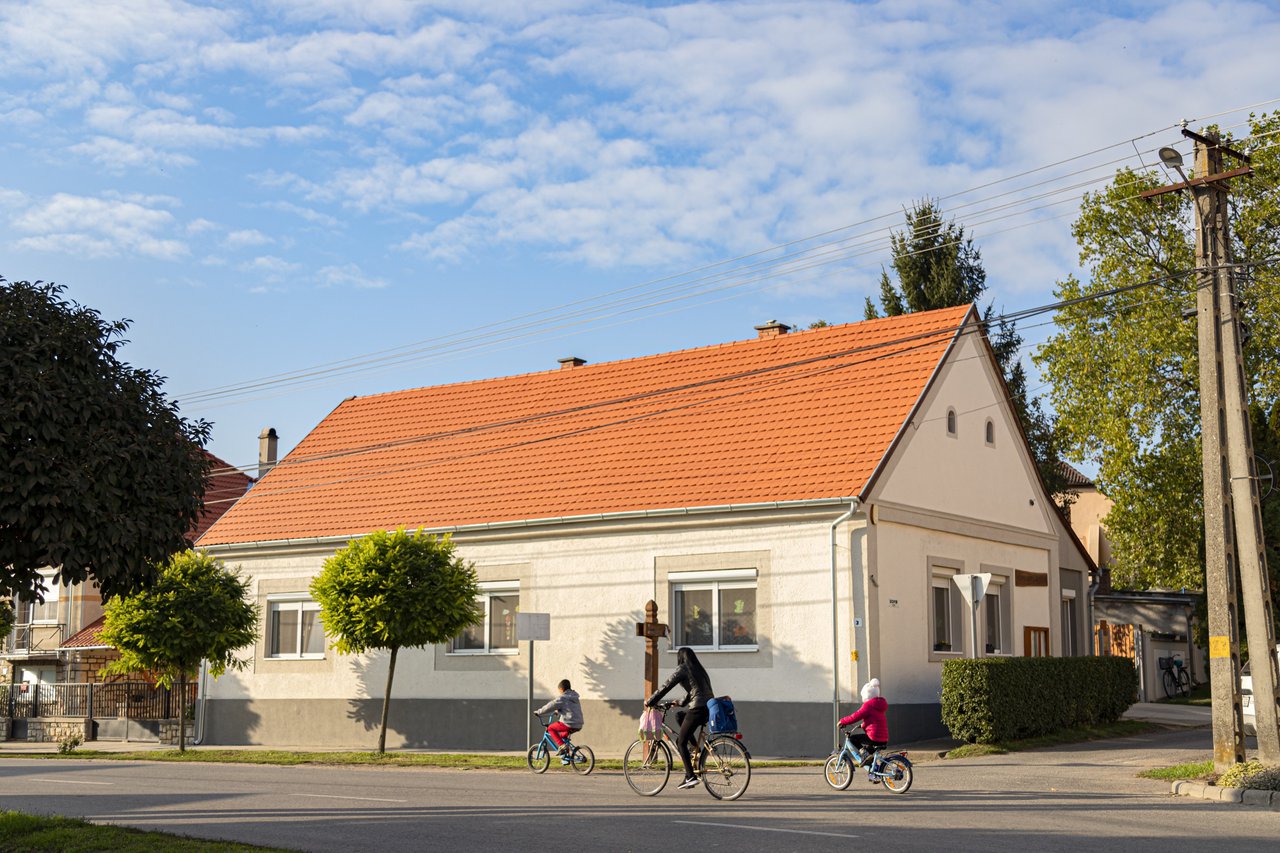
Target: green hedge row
<point>997,699</point>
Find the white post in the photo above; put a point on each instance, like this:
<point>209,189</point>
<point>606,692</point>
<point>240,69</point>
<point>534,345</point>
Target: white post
<point>528,717</point>
<point>978,592</point>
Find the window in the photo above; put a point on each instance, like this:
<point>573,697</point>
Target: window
<point>995,607</point>
<point>951,422</point>
<point>946,623</point>
<point>715,610</point>
<point>495,633</point>
<point>1070,623</point>
<point>991,431</point>
<point>293,628</point>
<point>47,611</point>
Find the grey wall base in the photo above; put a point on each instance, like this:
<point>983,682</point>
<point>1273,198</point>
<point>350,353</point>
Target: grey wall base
<point>792,729</point>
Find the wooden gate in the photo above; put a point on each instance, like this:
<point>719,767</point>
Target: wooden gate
<point>1114,640</point>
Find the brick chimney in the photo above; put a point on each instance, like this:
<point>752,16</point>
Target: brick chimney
<point>571,362</point>
<point>267,443</point>
<point>772,329</point>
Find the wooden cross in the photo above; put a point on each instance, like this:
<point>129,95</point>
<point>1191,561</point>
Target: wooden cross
<point>652,630</point>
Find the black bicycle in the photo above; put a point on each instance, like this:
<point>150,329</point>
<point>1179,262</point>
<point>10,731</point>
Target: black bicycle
<point>1177,680</point>
<point>720,761</point>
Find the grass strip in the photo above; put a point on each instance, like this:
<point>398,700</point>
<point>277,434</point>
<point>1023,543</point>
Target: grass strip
<point>27,833</point>
<point>455,761</point>
<point>1120,728</point>
<point>1191,770</point>
<point>1199,695</point>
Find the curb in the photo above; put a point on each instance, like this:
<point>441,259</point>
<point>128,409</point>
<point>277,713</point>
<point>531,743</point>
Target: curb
<point>1244,796</point>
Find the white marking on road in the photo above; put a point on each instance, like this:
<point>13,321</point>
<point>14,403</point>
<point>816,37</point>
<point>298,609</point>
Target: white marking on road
<point>768,829</point>
<point>336,797</point>
<point>65,781</point>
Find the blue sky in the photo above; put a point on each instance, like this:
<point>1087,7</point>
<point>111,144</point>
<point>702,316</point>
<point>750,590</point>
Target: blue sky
<point>268,186</point>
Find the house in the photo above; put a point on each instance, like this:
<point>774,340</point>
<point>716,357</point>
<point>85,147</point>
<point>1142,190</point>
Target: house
<point>56,641</point>
<point>797,504</point>
<point>1162,620</point>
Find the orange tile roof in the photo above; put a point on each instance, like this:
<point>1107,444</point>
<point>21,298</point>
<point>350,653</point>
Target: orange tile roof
<point>806,415</point>
<point>87,637</point>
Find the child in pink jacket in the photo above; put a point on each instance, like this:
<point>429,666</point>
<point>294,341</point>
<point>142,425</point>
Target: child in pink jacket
<point>875,728</point>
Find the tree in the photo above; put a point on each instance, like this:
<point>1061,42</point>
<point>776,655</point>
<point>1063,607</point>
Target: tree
<point>937,266</point>
<point>392,591</point>
<point>99,475</point>
<point>1124,366</point>
<point>196,610</point>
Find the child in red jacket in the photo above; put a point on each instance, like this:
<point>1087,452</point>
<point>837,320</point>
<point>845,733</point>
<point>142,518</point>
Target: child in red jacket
<point>875,728</point>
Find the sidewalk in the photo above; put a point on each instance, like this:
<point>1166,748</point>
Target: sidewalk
<point>1188,716</point>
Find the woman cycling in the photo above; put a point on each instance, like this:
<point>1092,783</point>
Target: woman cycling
<point>693,678</point>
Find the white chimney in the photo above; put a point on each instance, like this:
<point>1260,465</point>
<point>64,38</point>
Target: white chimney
<point>267,442</point>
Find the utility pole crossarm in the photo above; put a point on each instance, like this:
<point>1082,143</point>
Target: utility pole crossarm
<point>1197,182</point>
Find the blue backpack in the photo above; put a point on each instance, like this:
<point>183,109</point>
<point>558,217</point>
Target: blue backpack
<point>723,719</point>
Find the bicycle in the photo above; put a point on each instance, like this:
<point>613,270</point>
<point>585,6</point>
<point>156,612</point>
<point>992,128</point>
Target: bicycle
<point>1177,681</point>
<point>720,760</point>
<point>579,757</point>
<point>892,769</point>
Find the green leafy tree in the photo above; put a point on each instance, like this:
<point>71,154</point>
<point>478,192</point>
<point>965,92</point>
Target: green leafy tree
<point>1124,367</point>
<point>938,266</point>
<point>392,591</point>
<point>99,475</point>
<point>196,610</point>
<point>6,617</point>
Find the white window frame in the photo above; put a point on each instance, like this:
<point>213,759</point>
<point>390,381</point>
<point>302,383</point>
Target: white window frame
<point>940,577</point>
<point>304,604</point>
<point>52,597</point>
<point>1000,588</point>
<point>1070,633</point>
<point>714,581</point>
<point>488,589</point>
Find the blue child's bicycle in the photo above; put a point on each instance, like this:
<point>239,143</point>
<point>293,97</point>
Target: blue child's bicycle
<point>892,769</point>
<point>580,758</point>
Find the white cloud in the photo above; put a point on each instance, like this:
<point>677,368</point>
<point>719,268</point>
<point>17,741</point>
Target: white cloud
<point>247,237</point>
<point>271,265</point>
<point>97,227</point>
<point>117,156</point>
<point>349,275</point>
<point>200,226</point>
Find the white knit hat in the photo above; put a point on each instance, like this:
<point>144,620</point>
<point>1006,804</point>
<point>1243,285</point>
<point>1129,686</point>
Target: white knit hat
<point>871,689</point>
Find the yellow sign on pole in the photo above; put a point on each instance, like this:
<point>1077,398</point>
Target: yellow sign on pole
<point>1219,647</point>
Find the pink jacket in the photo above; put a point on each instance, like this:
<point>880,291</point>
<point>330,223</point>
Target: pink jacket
<point>872,716</point>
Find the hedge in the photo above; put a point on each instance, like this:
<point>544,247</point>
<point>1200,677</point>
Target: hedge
<point>997,699</point>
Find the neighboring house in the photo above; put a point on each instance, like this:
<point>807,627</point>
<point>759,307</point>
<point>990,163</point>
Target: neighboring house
<point>1163,619</point>
<point>56,640</point>
<point>764,492</point>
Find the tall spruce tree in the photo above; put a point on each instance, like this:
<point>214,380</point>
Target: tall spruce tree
<point>938,266</point>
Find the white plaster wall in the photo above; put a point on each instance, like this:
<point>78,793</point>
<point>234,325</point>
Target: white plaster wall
<point>963,475</point>
<point>903,575</point>
<point>594,584</point>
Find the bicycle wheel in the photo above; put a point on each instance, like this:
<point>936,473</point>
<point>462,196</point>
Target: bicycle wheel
<point>539,758</point>
<point>1170,683</point>
<point>838,771</point>
<point>647,766</point>
<point>897,773</point>
<point>1184,682</point>
<point>584,760</point>
<point>726,769</point>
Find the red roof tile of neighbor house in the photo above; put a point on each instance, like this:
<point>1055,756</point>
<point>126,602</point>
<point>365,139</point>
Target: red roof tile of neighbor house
<point>87,637</point>
<point>798,416</point>
<point>1073,477</point>
<point>226,486</point>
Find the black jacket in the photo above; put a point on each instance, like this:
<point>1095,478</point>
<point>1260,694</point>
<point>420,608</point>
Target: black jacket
<point>698,686</point>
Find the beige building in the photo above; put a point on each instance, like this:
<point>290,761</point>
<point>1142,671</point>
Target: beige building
<point>796,503</point>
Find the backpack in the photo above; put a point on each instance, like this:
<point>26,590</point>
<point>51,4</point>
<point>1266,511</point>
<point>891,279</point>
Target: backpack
<point>723,719</point>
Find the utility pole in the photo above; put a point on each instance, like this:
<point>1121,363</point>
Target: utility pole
<point>1214,321</point>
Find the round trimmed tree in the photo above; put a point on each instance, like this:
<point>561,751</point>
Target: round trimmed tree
<point>197,610</point>
<point>392,591</point>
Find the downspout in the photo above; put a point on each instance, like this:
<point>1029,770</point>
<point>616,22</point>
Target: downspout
<point>1093,587</point>
<point>835,629</point>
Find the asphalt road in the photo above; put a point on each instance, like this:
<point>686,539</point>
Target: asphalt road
<point>1070,798</point>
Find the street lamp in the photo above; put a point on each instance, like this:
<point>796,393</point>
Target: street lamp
<point>1173,160</point>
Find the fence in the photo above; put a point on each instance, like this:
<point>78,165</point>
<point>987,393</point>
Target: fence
<point>134,700</point>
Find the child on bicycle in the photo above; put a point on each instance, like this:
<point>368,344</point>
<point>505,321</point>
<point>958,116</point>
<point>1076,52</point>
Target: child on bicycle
<point>569,707</point>
<point>875,728</point>
<point>693,678</point>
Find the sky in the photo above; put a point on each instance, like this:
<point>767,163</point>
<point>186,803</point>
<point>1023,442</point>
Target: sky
<point>362,196</point>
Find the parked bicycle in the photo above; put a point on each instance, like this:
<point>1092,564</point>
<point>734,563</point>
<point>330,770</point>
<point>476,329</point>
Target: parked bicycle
<point>720,761</point>
<point>1177,680</point>
<point>892,769</point>
<point>579,757</point>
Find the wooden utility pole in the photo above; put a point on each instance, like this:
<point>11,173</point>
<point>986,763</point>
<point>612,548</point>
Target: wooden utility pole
<point>1234,548</point>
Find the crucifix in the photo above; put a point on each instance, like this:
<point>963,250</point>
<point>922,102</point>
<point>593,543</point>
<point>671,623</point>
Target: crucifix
<point>652,630</point>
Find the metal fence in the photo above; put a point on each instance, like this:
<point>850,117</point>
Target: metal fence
<point>135,700</point>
